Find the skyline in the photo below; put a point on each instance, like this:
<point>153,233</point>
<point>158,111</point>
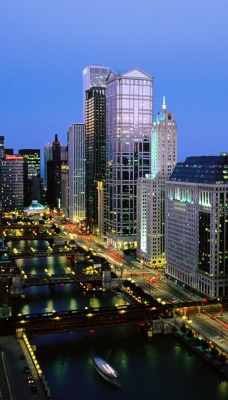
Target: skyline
<point>45,48</point>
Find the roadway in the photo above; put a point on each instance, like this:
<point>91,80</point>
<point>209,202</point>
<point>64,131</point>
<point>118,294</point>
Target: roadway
<point>162,289</point>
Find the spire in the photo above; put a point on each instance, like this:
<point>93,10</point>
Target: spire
<point>163,104</point>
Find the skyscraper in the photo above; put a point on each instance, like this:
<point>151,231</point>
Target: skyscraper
<point>93,76</point>
<point>2,152</point>
<point>129,98</point>
<point>34,187</point>
<point>32,156</point>
<point>76,156</point>
<point>95,156</point>
<point>47,157</point>
<point>197,225</point>
<point>54,176</point>
<point>151,190</point>
<point>13,182</point>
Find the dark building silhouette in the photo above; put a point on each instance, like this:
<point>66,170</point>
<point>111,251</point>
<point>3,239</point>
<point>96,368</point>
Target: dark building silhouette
<point>95,151</point>
<point>54,176</point>
<point>34,187</point>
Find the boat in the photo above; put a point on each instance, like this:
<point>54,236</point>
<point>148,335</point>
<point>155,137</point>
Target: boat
<point>106,371</point>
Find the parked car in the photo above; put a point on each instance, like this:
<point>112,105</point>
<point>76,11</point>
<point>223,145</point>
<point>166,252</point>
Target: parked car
<point>30,380</point>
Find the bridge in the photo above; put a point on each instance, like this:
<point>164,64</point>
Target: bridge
<point>84,319</point>
<point>38,280</point>
<point>41,253</point>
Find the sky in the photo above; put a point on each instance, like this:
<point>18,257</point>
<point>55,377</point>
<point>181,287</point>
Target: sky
<point>46,44</point>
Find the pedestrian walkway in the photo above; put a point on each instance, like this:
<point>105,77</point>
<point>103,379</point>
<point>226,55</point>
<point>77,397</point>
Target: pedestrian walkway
<point>13,382</point>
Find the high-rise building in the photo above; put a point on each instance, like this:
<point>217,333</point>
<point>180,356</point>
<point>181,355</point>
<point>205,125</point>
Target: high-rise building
<point>93,76</point>
<point>48,156</point>
<point>65,187</point>
<point>13,182</point>
<point>34,187</point>
<point>76,160</point>
<point>32,156</point>
<point>2,152</point>
<point>151,190</point>
<point>95,157</point>
<point>197,225</point>
<point>54,176</point>
<point>129,98</point>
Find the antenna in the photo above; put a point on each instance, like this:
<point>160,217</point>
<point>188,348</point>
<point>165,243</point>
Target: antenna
<point>163,104</point>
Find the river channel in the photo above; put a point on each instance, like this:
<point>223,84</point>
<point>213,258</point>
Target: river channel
<point>150,368</point>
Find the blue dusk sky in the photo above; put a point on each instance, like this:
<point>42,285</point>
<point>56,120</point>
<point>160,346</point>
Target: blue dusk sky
<point>46,44</point>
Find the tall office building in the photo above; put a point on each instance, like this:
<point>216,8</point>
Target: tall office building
<point>32,156</point>
<point>48,156</point>
<point>76,160</point>
<point>95,157</point>
<point>151,190</point>
<point>129,98</point>
<point>54,176</point>
<point>93,76</point>
<point>197,225</point>
<point>13,182</point>
<point>34,187</point>
<point>65,187</point>
<point>2,152</point>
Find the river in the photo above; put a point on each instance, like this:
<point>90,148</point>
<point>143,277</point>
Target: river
<point>154,368</point>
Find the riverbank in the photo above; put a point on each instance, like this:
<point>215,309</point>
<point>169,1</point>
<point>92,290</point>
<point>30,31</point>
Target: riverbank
<point>205,352</point>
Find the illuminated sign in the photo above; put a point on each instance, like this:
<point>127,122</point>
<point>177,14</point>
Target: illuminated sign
<point>13,157</point>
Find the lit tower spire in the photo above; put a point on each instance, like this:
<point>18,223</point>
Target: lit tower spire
<point>163,104</point>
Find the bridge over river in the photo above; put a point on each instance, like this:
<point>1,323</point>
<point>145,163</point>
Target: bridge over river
<point>85,319</point>
<point>38,280</point>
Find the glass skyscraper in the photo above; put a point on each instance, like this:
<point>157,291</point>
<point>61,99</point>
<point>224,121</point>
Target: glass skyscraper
<point>76,159</point>
<point>129,100</point>
<point>93,76</point>
<point>95,156</point>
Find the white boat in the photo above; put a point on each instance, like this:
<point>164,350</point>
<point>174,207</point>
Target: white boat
<point>106,371</point>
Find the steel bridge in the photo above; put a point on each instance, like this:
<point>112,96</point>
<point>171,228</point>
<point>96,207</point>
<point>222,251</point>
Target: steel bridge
<point>42,253</point>
<point>85,319</point>
<point>38,280</point>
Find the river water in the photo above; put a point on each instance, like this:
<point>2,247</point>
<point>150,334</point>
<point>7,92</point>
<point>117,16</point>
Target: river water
<point>150,368</point>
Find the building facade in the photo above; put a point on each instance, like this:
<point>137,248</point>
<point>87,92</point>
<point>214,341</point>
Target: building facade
<point>129,99</point>
<point>34,187</point>
<point>95,157</point>
<point>13,182</point>
<point>93,76</point>
<point>76,159</point>
<point>54,190</point>
<point>32,156</point>
<point>151,190</point>
<point>197,225</point>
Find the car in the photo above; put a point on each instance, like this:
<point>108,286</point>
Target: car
<point>22,357</point>
<point>26,370</point>
<point>30,380</point>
